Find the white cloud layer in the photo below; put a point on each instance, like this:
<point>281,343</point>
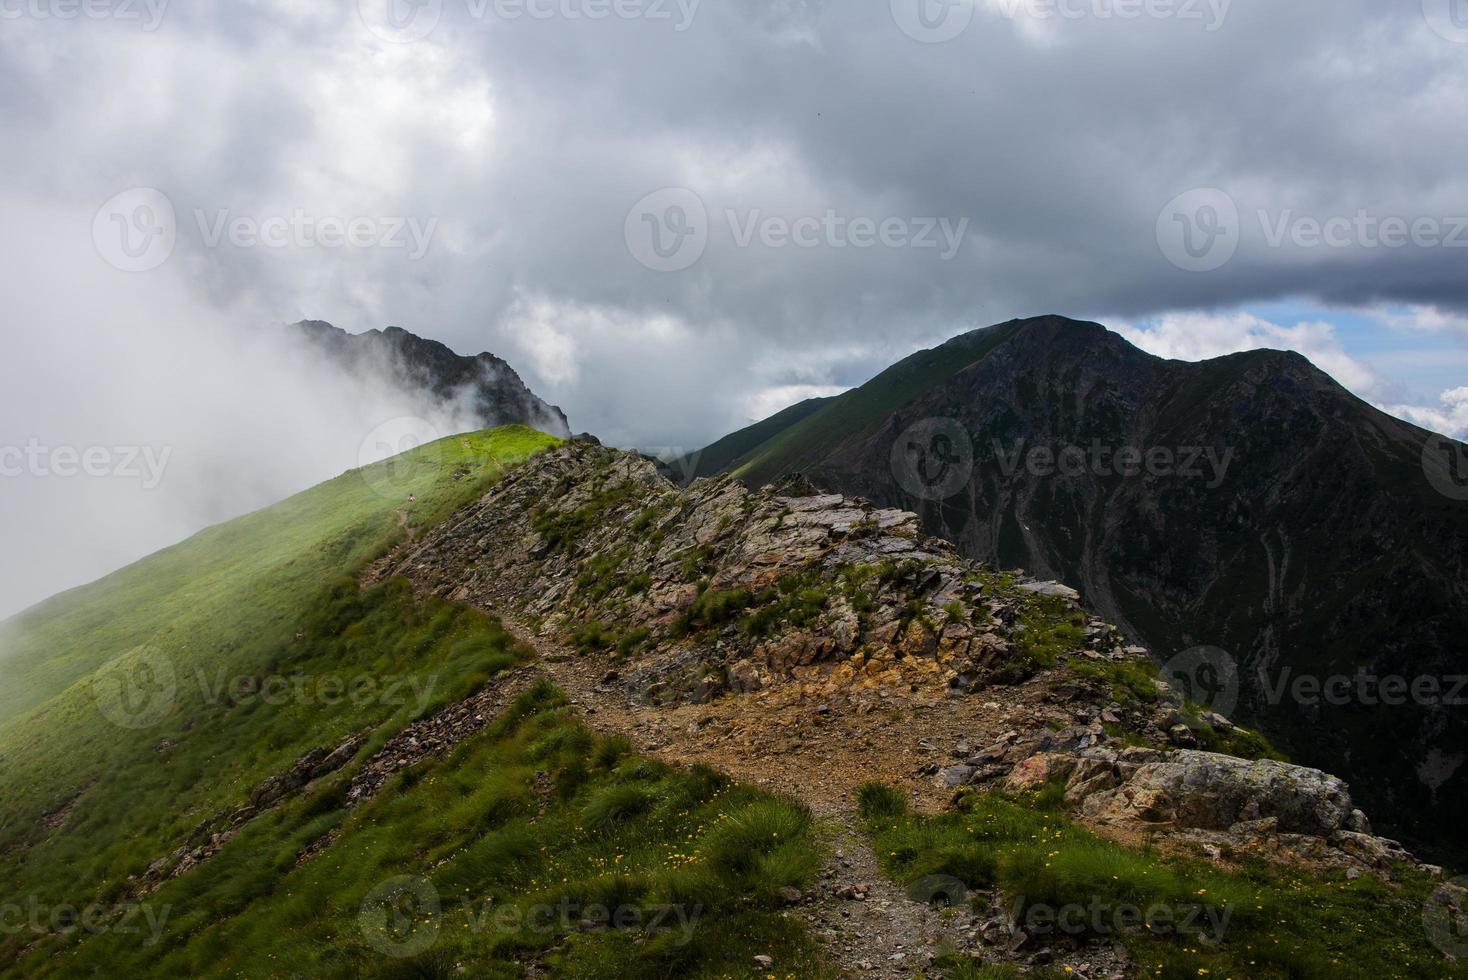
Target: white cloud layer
<point>1194,336</point>
<point>1450,418</point>
<point>524,144</point>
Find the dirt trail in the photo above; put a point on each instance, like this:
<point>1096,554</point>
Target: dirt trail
<point>819,750</point>
<point>879,931</point>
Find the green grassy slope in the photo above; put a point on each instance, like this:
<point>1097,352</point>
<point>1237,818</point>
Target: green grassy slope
<point>518,848</point>
<point>230,603</point>
<point>859,412</point>
<point>190,595</point>
<point>149,703</point>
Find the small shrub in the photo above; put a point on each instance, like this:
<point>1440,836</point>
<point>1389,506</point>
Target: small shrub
<point>610,751</point>
<point>712,609</point>
<point>617,805</point>
<point>878,801</point>
<point>737,844</point>
<point>594,635</point>
<point>631,641</point>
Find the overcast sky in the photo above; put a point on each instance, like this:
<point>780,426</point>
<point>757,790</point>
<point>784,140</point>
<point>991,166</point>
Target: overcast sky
<point>674,217</point>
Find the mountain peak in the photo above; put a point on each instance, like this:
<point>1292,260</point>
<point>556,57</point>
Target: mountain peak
<point>495,390</point>
<point>1266,485</point>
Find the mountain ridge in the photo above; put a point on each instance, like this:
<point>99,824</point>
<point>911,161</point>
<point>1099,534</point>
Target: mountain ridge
<point>1324,505</point>
<point>793,718</point>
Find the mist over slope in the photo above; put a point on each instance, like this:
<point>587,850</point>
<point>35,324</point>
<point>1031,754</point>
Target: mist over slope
<point>139,436</point>
<point>486,384</point>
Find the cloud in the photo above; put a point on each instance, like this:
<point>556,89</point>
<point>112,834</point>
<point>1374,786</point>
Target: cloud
<point>1198,336</point>
<point>1426,319</point>
<point>526,142</point>
<point>773,400</point>
<point>191,418</point>
<point>529,140</point>
<point>1450,418</point>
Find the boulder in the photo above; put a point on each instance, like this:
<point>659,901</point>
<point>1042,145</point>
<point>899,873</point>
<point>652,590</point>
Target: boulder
<point>843,625</point>
<point>744,677</point>
<point>1182,736</point>
<point>1052,589</point>
<point>918,640</point>
<point>1201,790</point>
<point>1034,772</point>
<point>955,776</point>
<point>1376,852</point>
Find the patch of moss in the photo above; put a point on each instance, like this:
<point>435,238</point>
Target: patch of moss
<point>563,530</point>
<point>1052,629</point>
<point>712,609</point>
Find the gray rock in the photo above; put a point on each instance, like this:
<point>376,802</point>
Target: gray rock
<point>1182,736</point>
<point>955,776</point>
<point>1215,792</point>
<point>1052,589</point>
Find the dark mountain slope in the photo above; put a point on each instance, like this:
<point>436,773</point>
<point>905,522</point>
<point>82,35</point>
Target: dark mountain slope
<point>858,413</point>
<point>1288,523</point>
<point>721,455</point>
<point>497,394</point>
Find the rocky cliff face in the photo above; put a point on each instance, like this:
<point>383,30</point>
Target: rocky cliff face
<point>492,390</point>
<point>1247,504</point>
<point>719,595</point>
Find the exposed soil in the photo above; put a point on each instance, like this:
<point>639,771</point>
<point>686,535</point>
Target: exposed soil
<point>819,748</point>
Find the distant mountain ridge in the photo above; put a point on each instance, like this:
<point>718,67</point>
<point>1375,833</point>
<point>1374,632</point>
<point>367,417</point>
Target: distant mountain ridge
<point>720,456</point>
<point>1292,524</point>
<point>499,396</point>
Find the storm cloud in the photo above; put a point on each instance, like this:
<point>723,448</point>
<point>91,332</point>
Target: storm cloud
<point>671,216</point>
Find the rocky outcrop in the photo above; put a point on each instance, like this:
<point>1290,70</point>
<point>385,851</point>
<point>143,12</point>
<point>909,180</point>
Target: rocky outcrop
<point>718,588</point>
<point>435,735</point>
<point>210,836</point>
<point>1221,804</point>
<point>691,595</point>
<point>428,738</point>
<point>1203,791</point>
<point>1265,807</point>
